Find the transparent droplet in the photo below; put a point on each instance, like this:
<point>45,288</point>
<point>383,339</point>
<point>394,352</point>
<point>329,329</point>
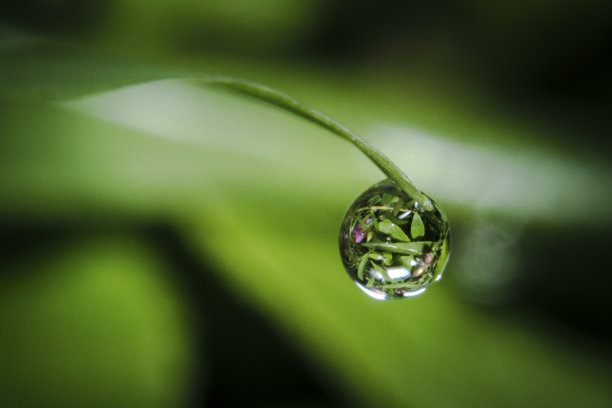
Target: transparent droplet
<point>390,245</point>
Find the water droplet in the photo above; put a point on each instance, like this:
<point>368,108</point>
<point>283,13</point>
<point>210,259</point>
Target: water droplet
<point>392,247</point>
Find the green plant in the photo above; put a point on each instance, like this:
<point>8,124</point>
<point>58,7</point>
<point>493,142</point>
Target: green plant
<point>394,239</point>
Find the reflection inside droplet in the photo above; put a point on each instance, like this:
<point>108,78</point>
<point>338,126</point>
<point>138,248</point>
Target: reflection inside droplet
<point>398,273</point>
<point>392,247</point>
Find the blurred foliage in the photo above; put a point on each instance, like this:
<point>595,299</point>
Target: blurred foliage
<point>92,324</point>
<point>167,244</point>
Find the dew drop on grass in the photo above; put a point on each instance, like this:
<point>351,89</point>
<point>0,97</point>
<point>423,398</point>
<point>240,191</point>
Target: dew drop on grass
<point>392,247</point>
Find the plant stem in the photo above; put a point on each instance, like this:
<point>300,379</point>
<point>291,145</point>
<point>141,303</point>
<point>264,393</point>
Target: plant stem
<point>286,102</point>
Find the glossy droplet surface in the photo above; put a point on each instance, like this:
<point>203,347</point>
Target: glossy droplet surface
<point>391,246</point>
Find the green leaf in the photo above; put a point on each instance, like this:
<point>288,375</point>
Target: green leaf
<point>227,167</point>
<point>445,335</point>
<point>388,258</point>
<point>417,229</point>
<point>89,321</point>
<point>389,199</point>
<point>387,226</point>
<point>406,248</point>
<point>406,260</point>
<point>362,264</point>
<point>381,270</point>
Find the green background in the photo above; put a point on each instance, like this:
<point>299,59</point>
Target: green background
<point>167,244</point>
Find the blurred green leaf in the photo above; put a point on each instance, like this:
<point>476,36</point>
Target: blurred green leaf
<point>526,175</point>
<point>97,324</point>
<point>229,172</point>
<point>427,351</point>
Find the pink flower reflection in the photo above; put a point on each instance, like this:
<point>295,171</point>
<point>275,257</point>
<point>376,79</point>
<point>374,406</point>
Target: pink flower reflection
<point>359,231</point>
